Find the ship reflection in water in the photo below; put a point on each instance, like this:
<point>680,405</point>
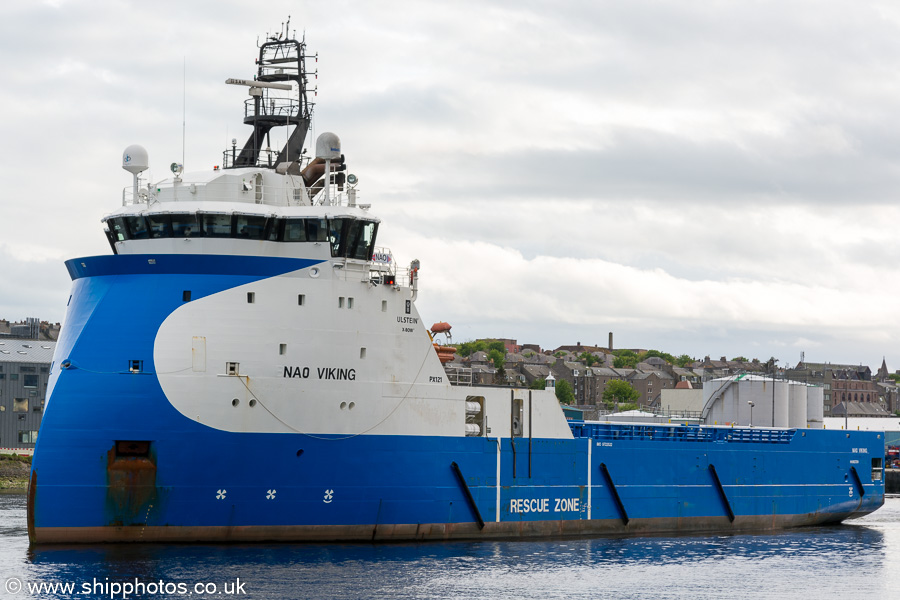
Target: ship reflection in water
<point>858,559</point>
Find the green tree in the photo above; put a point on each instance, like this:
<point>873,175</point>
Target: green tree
<point>497,357</point>
<point>469,348</point>
<point>588,359</point>
<point>564,392</point>
<point>496,345</point>
<point>739,359</point>
<point>684,361</point>
<point>625,359</point>
<point>618,392</point>
<point>538,384</point>
<point>663,355</point>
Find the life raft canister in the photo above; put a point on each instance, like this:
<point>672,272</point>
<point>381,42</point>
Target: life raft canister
<point>441,327</point>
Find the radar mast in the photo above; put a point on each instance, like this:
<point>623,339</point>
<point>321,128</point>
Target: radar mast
<point>278,98</point>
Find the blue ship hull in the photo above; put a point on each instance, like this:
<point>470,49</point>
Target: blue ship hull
<point>181,480</point>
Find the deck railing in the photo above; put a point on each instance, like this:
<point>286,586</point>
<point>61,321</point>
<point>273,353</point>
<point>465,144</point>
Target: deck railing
<point>681,433</point>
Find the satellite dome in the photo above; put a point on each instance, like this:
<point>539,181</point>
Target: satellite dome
<point>134,159</point>
<point>328,146</point>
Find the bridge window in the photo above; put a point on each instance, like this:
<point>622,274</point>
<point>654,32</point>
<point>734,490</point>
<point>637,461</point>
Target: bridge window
<point>251,227</point>
<point>347,237</point>
<point>186,225</point>
<point>317,230</point>
<point>352,238</point>
<point>294,230</point>
<point>160,225</point>
<point>137,227</point>
<point>216,225</point>
<point>361,239</point>
<point>117,229</point>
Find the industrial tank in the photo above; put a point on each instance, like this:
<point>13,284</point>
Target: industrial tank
<point>815,407</point>
<point>748,400</point>
<point>797,397</point>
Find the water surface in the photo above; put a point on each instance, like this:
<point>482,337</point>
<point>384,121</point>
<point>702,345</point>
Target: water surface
<point>859,559</point>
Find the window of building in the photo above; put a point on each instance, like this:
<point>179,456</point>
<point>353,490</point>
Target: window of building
<point>25,369</point>
<point>28,437</point>
<point>20,405</point>
<point>31,381</point>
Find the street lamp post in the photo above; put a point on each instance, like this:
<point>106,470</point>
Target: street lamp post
<point>846,427</point>
<point>750,402</point>
<point>774,360</point>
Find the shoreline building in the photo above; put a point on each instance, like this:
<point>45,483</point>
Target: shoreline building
<point>24,371</point>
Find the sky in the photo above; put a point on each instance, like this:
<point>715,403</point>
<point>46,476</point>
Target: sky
<point>708,178</point>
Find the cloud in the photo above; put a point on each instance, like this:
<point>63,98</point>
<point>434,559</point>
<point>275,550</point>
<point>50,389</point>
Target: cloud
<point>692,177</point>
<point>33,286</point>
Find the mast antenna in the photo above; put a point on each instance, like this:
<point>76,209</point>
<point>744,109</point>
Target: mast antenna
<point>183,105</point>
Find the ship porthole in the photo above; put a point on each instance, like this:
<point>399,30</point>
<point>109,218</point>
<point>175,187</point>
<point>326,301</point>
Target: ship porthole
<point>351,405</point>
<point>314,272</point>
<point>299,452</point>
<point>343,405</point>
<point>252,402</point>
<point>235,402</point>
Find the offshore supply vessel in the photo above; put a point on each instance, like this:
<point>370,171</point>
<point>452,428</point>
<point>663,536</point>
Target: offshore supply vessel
<point>248,365</point>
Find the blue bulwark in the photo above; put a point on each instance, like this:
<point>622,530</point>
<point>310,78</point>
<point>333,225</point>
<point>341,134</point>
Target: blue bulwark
<point>184,264</point>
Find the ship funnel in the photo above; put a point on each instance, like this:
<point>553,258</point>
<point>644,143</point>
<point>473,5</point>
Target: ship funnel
<point>134,159</point>
<point>328,146</point>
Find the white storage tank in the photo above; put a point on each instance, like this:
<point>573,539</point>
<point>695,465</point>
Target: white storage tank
<point>797,405</point>
<point>728,401</point>
<point>815,407</point>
